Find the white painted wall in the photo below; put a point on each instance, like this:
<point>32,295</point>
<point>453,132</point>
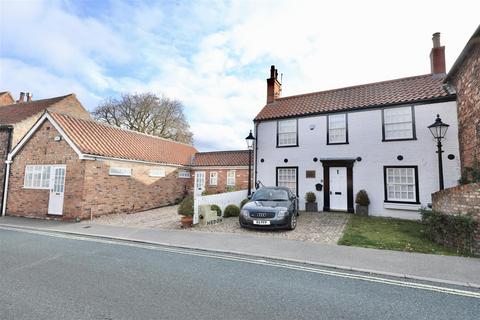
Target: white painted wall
<point>365,140</point>
<point>221,199</point>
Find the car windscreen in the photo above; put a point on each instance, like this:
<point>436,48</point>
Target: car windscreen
<point>270,195</point>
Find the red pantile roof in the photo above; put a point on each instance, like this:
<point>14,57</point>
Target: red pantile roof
<point>94,138</point>
<point>221,158</point>
<point>418,88</point>
<point>14,113</point>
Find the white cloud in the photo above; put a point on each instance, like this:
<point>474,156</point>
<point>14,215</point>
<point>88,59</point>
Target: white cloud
<point>215,56</point>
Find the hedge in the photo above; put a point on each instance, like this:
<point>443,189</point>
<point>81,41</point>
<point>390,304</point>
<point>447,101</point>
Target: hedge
<point>231,211</point>
<point>451,230</point>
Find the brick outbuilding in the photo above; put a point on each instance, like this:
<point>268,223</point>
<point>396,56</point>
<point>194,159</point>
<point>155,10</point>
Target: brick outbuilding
<point>17,117</point>
<point>220,171</point>
<point>67,167</point>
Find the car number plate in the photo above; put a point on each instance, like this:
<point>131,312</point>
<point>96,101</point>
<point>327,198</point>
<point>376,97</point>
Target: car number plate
<point>261,222</point>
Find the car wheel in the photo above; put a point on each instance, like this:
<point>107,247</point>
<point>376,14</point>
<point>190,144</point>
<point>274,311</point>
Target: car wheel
<point>293,222</point>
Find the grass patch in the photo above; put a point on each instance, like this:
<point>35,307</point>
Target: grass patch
<point>390,234</point>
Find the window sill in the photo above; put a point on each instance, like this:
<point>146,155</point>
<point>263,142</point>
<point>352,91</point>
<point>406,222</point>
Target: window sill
<point>392,140</point>
<point>402,206</point>
<point>336,143</point>
<point>289,146</point>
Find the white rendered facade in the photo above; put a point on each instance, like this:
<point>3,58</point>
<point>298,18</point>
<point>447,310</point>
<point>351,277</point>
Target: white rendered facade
<point>364,130</point>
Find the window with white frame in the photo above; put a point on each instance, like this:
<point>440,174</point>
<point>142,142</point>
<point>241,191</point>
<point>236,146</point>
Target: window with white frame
<point>287,177</point>
<point>157,172</point>
<point>287,133</point>
<point>184,174</point>
<point>37,177</point>
<point>401,184</point>
<point>213,178</point>
<point>120,171</point>
<point>337,128</point>
<point>231,178</point>
<point>398,123</point>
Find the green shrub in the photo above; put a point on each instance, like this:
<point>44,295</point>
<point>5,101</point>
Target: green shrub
<point>216,208</point>
<point>451,230</point>
<point>186,206</point>
<point>310,197</point>
<point>231,211</point>
<point>208,192</point>
<point>230,189</point>
<point>244,201</point>
<point>362,198</point>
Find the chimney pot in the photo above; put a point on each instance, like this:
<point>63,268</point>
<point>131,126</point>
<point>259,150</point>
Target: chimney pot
<point>22,97</point>
<point>436,39</point>
<point>29,96</point>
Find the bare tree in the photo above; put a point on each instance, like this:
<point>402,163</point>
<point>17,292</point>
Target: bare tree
<point>146,113</point>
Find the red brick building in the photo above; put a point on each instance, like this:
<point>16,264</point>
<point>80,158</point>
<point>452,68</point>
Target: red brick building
<point>67,167</point>
<point>17,117</point>
<point>464,77</point>
<point>220,171</point>
<point>6,98</point>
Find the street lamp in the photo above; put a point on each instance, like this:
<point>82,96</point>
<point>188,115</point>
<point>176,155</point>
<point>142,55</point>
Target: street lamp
<point>250,140</point>
<point>438,130</point>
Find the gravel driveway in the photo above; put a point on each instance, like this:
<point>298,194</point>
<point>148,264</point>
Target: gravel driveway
<point>321,227</point>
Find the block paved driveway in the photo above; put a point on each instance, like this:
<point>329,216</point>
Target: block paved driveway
<point>320,227</point>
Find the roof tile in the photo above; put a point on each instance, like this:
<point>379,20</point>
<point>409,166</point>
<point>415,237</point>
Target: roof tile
<point>98,139</point>
<point>396,91</point>
<point>14,113</point>
<point>221,158</point>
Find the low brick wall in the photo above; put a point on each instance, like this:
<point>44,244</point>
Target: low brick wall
<point>463,199</point>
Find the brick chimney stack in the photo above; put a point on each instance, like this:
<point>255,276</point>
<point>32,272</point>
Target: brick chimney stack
<point>274,87</point>
<point>29,96</point>
<point>437,56</point>
<point>22,97</point>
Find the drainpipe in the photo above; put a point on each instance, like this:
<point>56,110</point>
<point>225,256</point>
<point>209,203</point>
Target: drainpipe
<point>5,190</point>
<point>255,132</point>
<point>9,129</point>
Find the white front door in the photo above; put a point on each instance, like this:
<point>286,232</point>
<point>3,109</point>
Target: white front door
<point>57,190</point>
<point>338,188</point>
<point>199,181</point>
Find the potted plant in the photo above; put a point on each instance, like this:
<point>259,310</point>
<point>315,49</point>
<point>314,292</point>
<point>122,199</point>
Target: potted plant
<point>185,209</point>
<point>362,201</point>
<point>311,204</point>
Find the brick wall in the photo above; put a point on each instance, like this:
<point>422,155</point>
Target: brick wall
<point>463,199</point>
<point>467,84</point>
<point>106,194</point>
<point>42,149</point>
<point>89,189</point>
<point>241,179</point>
<point>6,99</point>
<point>70,105</point>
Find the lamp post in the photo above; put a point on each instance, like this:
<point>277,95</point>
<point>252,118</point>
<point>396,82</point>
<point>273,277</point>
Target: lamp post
<point>250,140</point>
<point>438,130</point>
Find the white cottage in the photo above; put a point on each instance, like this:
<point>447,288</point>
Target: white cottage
<point>373,137</point>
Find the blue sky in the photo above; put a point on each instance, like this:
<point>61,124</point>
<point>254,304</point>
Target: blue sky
<point>214,56</point>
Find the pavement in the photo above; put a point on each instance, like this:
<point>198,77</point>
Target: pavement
<point>72,277</point>
<point>451,270</point>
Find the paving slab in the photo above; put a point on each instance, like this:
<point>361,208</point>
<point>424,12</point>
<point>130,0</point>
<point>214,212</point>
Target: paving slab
<point>448,269</point>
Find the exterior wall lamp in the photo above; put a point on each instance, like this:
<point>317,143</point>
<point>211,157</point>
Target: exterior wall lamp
<point>250,141</point>
<point>438,130</point>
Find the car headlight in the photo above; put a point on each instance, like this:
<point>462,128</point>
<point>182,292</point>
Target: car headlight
<point>244,213</point>
<point>281,213</point>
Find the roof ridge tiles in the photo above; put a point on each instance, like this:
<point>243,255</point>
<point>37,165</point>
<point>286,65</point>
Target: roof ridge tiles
<point>352,87</point>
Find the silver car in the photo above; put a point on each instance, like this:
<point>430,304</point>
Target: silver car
<point>270,208</point>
